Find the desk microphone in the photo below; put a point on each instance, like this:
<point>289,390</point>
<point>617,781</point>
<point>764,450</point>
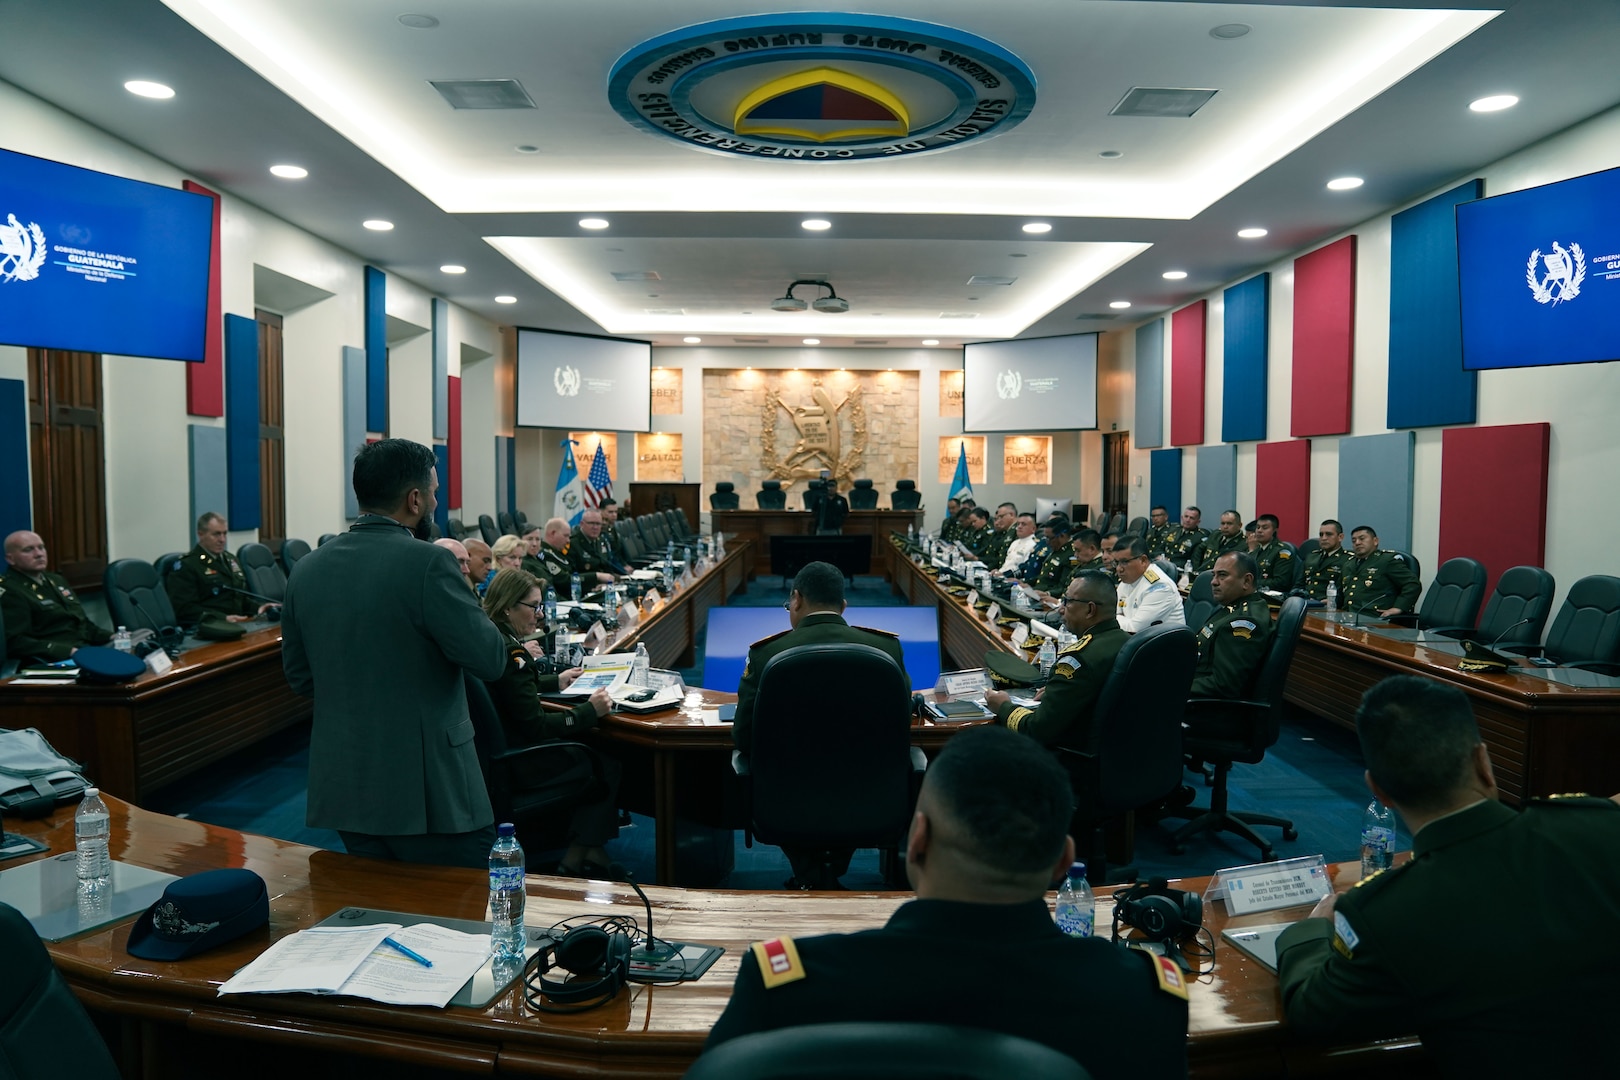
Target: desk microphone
<point>1362,608</point>
<point>651,950</point>
<point>167,638</point>
<point>273,615</point>
<point>1508,631</point>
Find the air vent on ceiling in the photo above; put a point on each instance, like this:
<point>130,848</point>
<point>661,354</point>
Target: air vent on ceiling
<point>871,341</point>
<point>990,279</point>
<point>636,275</point>
<point>483,93</point>
<point>750,341</point>
<point>959,314</point>
<point>1162,101</point>
<point>1098,315</point>
<point>664,311</point>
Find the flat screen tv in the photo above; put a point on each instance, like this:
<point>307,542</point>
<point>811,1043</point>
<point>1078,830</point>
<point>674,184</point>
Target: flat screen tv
<point>583,383</point>
<point>1036,384</point>
<point>97,263</point>
<point>1539,274</point>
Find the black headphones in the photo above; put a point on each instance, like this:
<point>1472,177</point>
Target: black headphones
<point>1159,912</point>
<point>598,952</point>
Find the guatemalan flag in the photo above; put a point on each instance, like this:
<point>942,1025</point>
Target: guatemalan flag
<point>961,486</point>
<point>598,485</point>
<point>570,501</point>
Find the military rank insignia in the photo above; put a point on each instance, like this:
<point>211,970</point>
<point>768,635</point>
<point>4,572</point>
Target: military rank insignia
<point>778,961</point>
<point>1345,939</point>
<point>1242,628</point>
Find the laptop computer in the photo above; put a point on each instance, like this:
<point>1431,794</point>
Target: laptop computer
<point>1259,942</point>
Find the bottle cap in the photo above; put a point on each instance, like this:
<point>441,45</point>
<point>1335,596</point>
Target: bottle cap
<point>506,828</point>
<point>91,792</point>
<point>1077,869</point>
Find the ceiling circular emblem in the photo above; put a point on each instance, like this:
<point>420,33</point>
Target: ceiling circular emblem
<point>820,86</point>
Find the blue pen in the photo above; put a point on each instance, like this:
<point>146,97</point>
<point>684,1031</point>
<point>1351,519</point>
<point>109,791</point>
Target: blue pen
<point>412,953</point>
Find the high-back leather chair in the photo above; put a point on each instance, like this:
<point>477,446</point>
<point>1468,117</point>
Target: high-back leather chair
<point>263,575</point>
<point>863,496</point>
<point>679,527</point>
<point>1411,561</point>
<point>291,551</point>
<point>1200,602</point>
<point>771,496</point>
<point>635,552</point>
<point>1308,546</point>
<point>1452,600</point>
<point>905,495</point>
<point>814,491</point>
<point>167,564</point>
<point>1223,732</point>
<point>882,1051</point>
<point>45,1034</point>
<point>1168,569</point>
<point>325,537</point>
<point>521,521</point>
<point>1139,526</point>
<point>654,529</point>
<point>487,529</point>
<point>1586,631</point>
<point>724,496</point>
<point>458,531</point>
<point>136,599</point>
<point>1518,608</point>
<point>508,523</point>
<point>830,769</point>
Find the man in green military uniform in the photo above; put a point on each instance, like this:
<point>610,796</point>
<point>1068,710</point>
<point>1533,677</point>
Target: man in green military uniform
<point>1279,566</point>
<point>1183,542</point>
<point>587,552</point>
<point>1063,716</point>
<point>1086,554</point>
<point>947,530</point>
<point>1001,537</point>
<point>552,557</point>
<point>1519,986</point>
<point>815,610</point>
<point>44,619</point>
<point>1378,581</point>
<point>1330,562</point>
<point>978,533</point>
<point>1158,532</point>
<point>1234,642</point>
<point>611,537</point>
<point>1228,538</point>
<point>208,580</point>
<point>1053,573</point>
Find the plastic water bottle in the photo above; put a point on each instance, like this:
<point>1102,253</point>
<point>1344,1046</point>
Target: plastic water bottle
<point>610,599</point>
<point>1046,657</point>
<point>506,894</point>
<point>575,584</point>
<point>1377,838</point>
<point>91,826</point>
<point>1333,596</point>
<point>640,665</point>
<point>120,639</point>
<point>551,605</point>
<point>1076,907</point>
<point>1186,576</point>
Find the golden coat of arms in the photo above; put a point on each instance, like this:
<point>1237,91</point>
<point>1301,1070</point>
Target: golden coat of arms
<point>820,442</point>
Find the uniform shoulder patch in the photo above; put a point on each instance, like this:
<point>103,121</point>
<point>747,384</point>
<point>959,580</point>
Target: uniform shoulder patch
<point>1152,575</point>
<point>1169,976</point>
<point>1345,939</point>
<point>1085,639</point>
<point>778,961</point>
<point>520,656</point>
<point>768,640</point>
<point>1242,628</point>
<point>875,630</point>
<point>1285,554</point>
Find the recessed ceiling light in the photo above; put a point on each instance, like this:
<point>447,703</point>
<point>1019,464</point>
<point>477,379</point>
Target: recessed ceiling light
<point>506,299</point>
<point>1037,227</point>
<point>593,223</point>
<point>1345,183</point>
<point>1110,154</point>
<point>418,22</point>
<point>1251,234</point>
<point>1119,305</point>
<point>816,224</point>
<point>931,341</point>
<point>142,88</point>
<point>1017,255</point>
<point>1228,31</point>
<point>289,172</point>
<point>812,341</point>
<point>692,340</point>
<point>452,268</point>
<point>1174,275</point>
<point>525,148</point>
<point>1494,103</point>
<point>378,225</point>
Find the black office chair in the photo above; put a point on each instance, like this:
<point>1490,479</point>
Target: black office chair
<point>487,529</point>
<point>1517,611</point>
<point>508,523</point>
<point>1417,567</point>
<point>1452,601</point>
<point>882,1051</point>
<point>325,537</point>
<point>263,576</point>
<point>45,1033</point>
<point>1168,569</point>
<point>863,496</point>
<point>291,551</point>
<point>1136,759</point>
<point>1308,546</point>
<point>1200,602</point>
<point>136,599</point>
<point>679,527</point>
<point>1586,631</point>
<point>1139,526</point>
<point>725,496</point>
<point>814,492</point>
<point>521,520</point>
<point>905,495</point>
<point>635,552</point>
<point>654,531</point>
<point>167,564</point>
<point>771,496</point>
<point>458,531</point>
<point>1224,732</point>
<point>830,770</point>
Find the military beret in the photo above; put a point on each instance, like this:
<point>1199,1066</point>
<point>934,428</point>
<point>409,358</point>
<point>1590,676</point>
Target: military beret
<point>100,666</point>
<point>1008,672</point>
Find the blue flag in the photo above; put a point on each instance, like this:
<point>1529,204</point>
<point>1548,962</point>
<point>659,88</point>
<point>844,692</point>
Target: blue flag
<point>961,486</point>
<point>569,503</point>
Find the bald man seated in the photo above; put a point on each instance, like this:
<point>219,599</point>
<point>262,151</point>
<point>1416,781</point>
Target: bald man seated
<point>44,619</point>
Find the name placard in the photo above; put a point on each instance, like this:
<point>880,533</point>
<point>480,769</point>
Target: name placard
<point>972,597</point>
<point>1020,634</point>
<point>966,683</point>
<point>1263,887</point>
<point>992,613</point>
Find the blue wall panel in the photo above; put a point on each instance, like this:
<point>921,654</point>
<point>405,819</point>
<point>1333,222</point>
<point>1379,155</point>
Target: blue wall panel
<point>1247,320</point>
<point>544,512</point>
<point>15,507</point>
<point>441,465</point>
<point>376,350</point>
<point>1164,481</point>
<point>1427,384</point>
<point>441,371</point>
<point>1150,386</point>
<point>505,482</point>
<point>207,447</point>
<point>1217,482</point>
<point>242,421</point>
<point>1375,486</point>
<point>354,423</point>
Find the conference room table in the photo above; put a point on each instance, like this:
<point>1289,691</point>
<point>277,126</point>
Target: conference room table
<point>167,1020</point>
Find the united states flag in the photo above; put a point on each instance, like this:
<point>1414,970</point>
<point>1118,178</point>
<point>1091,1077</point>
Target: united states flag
<point>598,484</point>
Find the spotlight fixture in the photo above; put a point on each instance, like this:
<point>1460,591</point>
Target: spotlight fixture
<point>812,341</point>
<point>1345,183</point>
<point>1251,234</point>
<point>452,268</point>
<point>831,304</point>
<point>1174,275</point>
<point>289,172</point>
<point>692,340</point>
<point>159,92</point>
<point>929,341</point>
<point>378,224</point>
<point>1494,103</point>
<point>816,224</point>
<point>1035,228</point>
<point>504,299</point>
<point>1119,305</point>
<point>593,223</point>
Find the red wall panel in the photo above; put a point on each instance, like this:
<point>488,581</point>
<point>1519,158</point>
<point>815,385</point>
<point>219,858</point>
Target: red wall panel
<point>1187,375</point>
<point>1324,339</point>
<point>205,382</point>
<point>453,441</point>
<point>1481,470</point>
<point>1282,486</point>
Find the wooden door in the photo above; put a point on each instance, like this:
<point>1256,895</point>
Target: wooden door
<point>1116,471</point>
<point>67,460</point>
<point>272,455</point>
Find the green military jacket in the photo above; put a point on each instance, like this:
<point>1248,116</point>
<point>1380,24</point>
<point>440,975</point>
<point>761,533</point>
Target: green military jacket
<point>613,541</point>
<point>977,539</point>
<point>1055,570</point>
<point>587,556</point>
<point>1157,537</point>
<point>994,552</point>
<point>1099,564</point>
<point>1382,580</point>
<point>516,695</point>
<point>817,628</point>
<point>43,617</point>
<point>1214,546</point>
<point>551,568</point>
<point>1037,556</point>
<point>1320,567</point>
<point>1402,952</point>
<point>1182,544</point>
<point>201,584</point>
<point>1279,567</point>
<point>1063,717</point>
<point>950,530</point>
<point>1231,647</point>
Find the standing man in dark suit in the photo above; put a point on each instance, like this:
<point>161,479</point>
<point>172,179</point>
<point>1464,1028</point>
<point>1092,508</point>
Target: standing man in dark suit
<point>377,628</point>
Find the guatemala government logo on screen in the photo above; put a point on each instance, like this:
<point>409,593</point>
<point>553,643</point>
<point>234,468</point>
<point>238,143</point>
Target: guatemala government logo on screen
<point>22,250</point>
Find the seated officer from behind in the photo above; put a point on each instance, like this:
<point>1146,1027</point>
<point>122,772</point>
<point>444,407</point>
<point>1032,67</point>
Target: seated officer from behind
<point>1378,581</point>
<point>1234,642</point>
<point>587,551</point>
<point>1513,982</point>
<point>1146,596</point>
<point>1063,716</point>
<point>988,837</point>
<point>1329,562</point>
<point>44,619</point>
<point>209,580</point>
<point>1279,568</point>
